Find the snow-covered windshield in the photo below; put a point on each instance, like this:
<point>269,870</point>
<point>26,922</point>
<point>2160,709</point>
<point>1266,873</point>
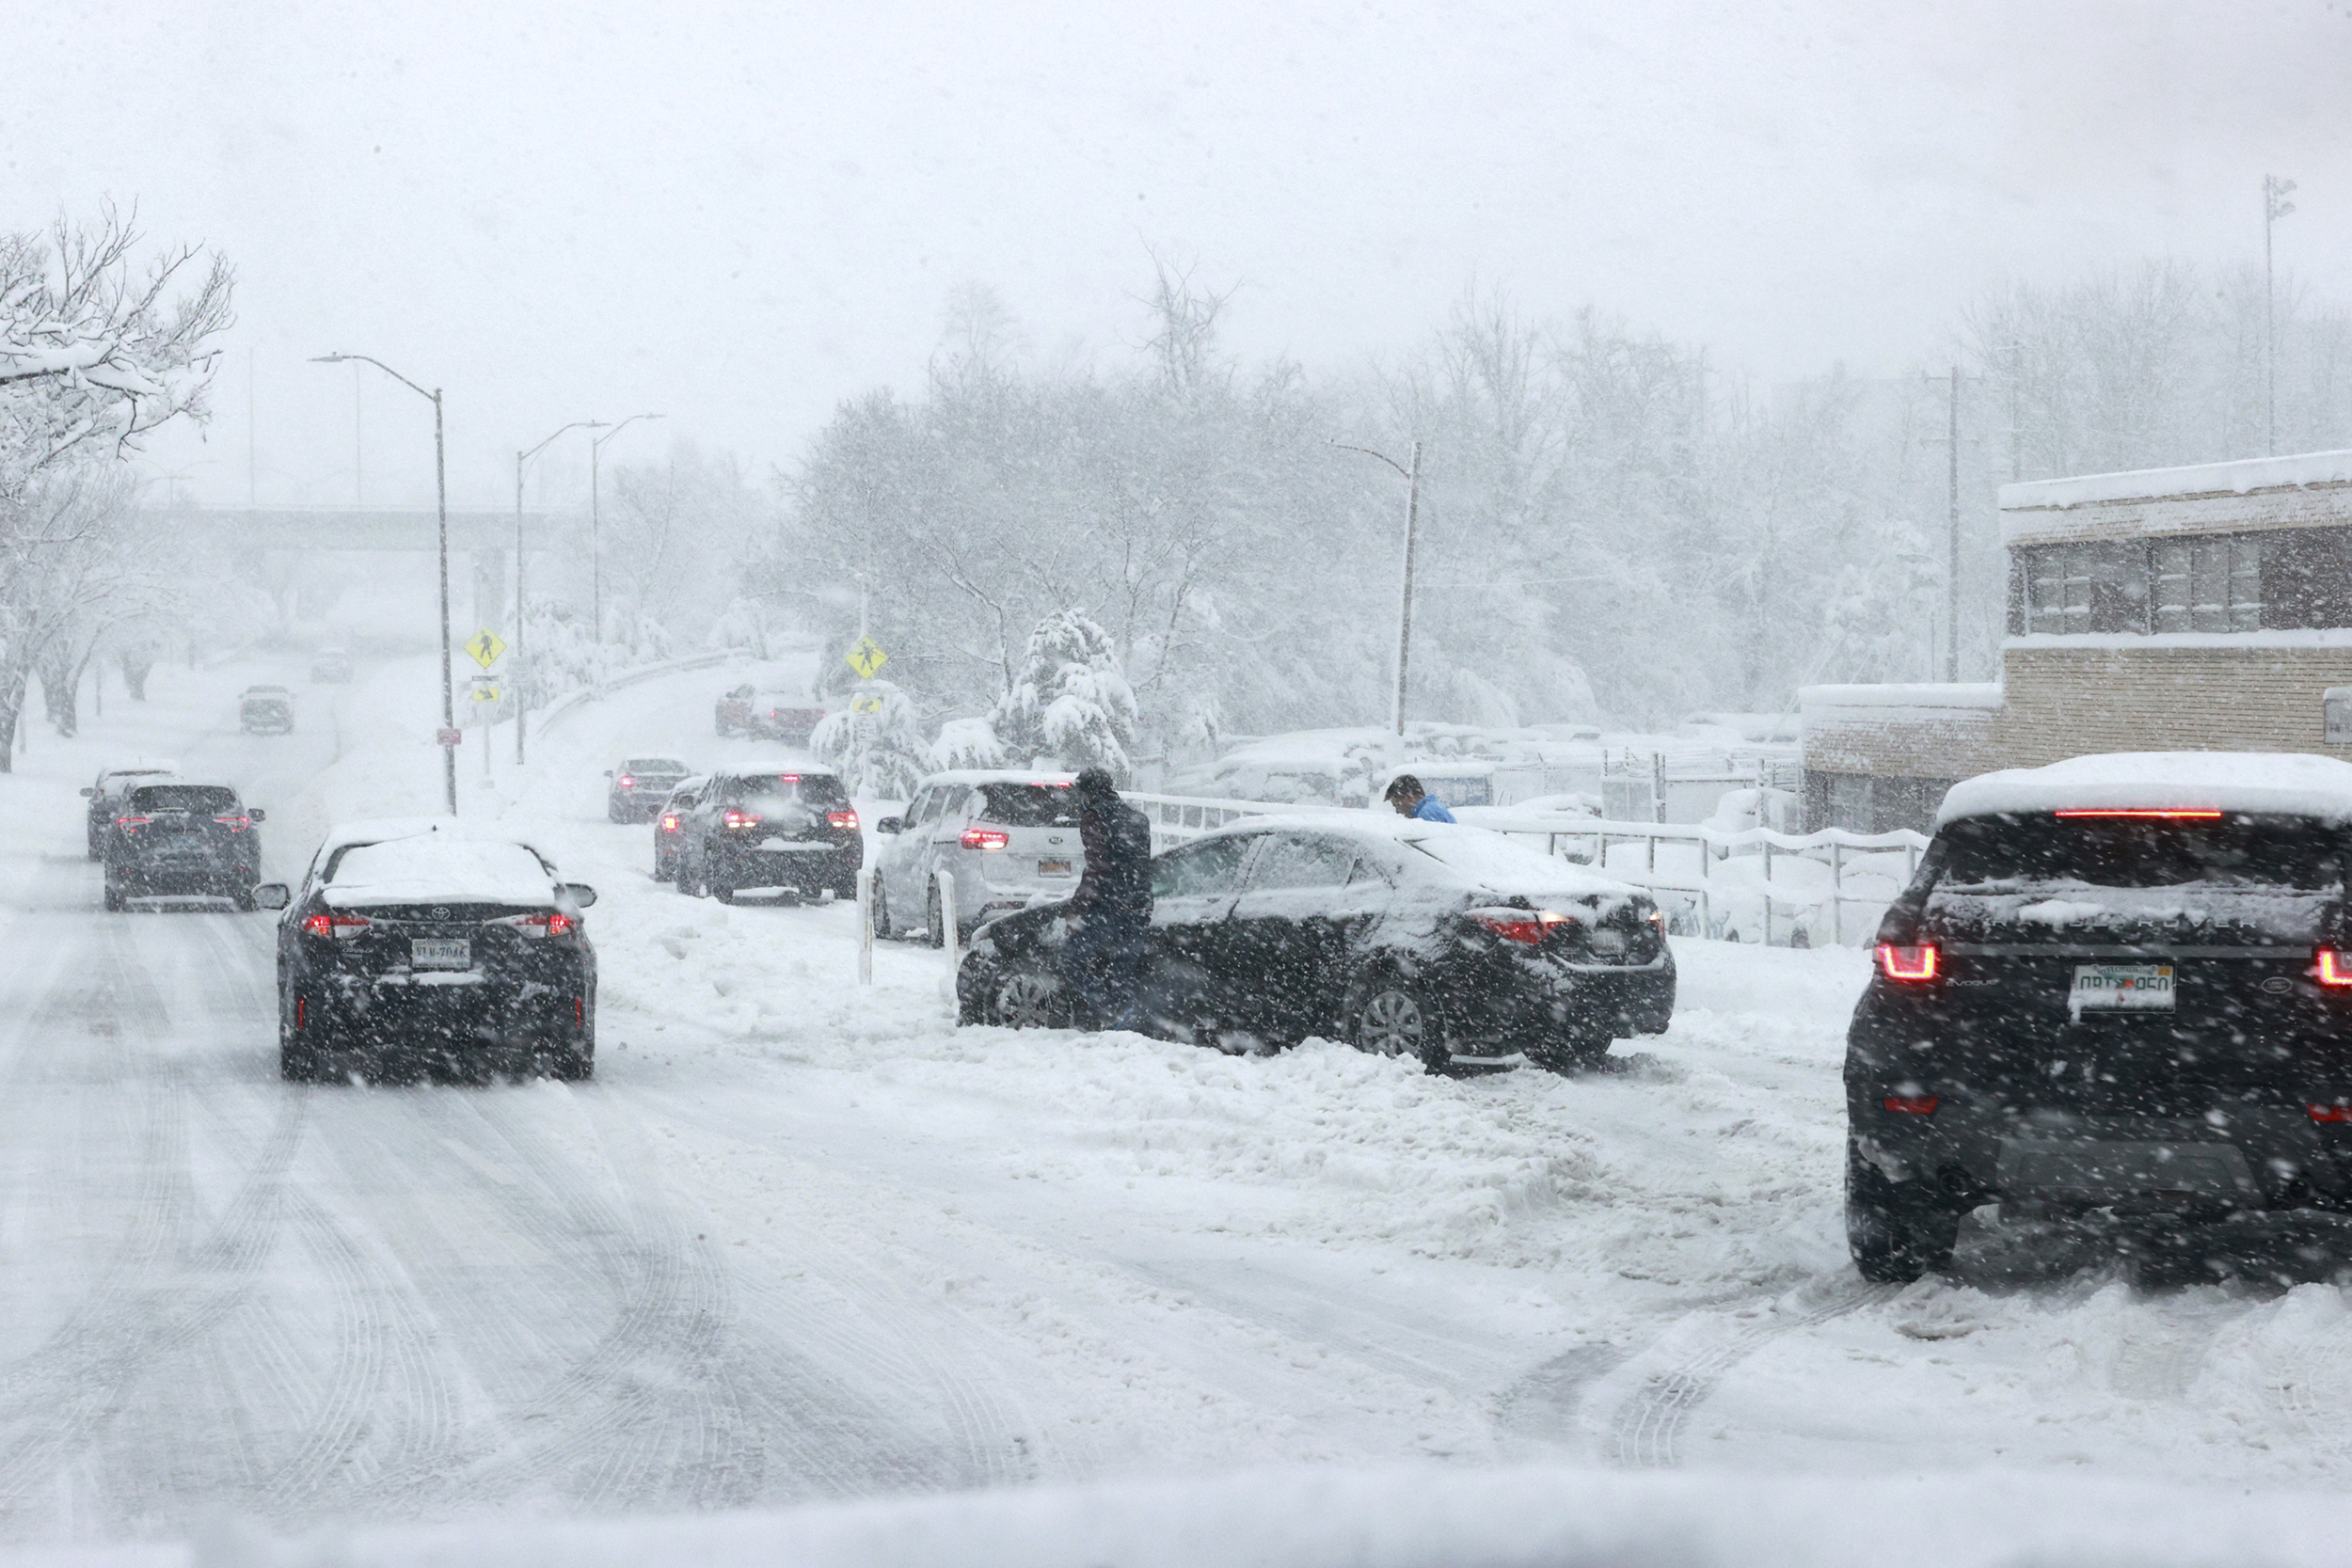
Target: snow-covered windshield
<point>437,865</point>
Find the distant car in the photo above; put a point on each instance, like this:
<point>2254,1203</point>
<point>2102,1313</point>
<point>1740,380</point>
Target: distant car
<point>1007,838</point>
<point>668,826</point>
<point>778,828</point>
<point>782,714</point>
<point>1448,945</point>
<point>265,710</point>
<point>417,946</point>
<point>183,841</point>
<point>640,786</point>
<point>330,665</point>
<point>2119,984</point>
<point>105,796</point>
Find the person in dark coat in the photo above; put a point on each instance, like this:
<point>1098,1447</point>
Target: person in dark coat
<point>1409,799</point>
<point>1110,915</point>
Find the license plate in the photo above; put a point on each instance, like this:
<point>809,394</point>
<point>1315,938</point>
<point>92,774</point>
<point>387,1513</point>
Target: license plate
<point>1609,944</point>
<point>2121,989</point>
<point>1053,869</point>
<point>441,953</point>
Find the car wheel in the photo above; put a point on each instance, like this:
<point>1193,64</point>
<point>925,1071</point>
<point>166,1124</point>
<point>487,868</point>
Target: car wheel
<point>662,871</point>
<point>938,933</point>
<point>881,913</point>
<point>1392,1016</point>
<point>1029,997</point>
<point>1897,1230</point>
<point>242,898</point>
<point>718,888</point>
<point>115,900</point>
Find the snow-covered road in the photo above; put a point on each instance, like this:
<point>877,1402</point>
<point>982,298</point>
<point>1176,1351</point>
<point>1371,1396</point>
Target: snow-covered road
<point>804,1239</point>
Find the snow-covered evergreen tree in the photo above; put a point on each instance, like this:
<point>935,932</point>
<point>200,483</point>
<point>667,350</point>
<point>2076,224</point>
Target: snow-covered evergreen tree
<point>879,753</point>
<point>967,743</point>
<point>1070,706</point>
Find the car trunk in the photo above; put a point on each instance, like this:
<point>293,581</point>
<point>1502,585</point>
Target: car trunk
<point>1034,831</point>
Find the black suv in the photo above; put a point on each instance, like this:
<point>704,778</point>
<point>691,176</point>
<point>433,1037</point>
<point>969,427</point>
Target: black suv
<point>2117,984</point>
<point>786,829</point>
<point>105,797</point>
<point>181,841</point>
<point>413,946</point>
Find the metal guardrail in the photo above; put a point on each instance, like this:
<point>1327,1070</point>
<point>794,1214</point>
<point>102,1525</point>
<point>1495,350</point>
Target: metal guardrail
<point>563,705</point>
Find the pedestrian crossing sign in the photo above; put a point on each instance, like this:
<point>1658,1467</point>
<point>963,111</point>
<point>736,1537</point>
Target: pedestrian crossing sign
<point>866,657</point>
<point>485,645</point>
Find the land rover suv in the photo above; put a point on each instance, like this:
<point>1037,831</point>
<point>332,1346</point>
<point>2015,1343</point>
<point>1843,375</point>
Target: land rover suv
<point>2117,984</point>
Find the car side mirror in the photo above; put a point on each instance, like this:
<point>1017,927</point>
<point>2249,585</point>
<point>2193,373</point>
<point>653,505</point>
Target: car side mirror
<point>89,794</point>
<point>579,892</point>
<point>256,813</point>
<point>271,895</point>
<point>608,772</point>
<point>890,825</point>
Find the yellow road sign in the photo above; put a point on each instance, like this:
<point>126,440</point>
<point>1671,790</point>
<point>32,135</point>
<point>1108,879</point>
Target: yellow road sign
<point>485,645</point>
<point>866,705</point>
<point>487,693</point>
<point>866,657</point>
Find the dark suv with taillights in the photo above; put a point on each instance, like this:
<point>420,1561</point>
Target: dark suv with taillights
<point>181,841</point>
<point>418,947</point>
<point>1448,945</point>
<point>2118,986</point>
<point>783,829</point>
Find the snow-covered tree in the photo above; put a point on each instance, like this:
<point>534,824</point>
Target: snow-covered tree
<point>967,743</point>
<point>880,753</point>
<point>1071,703</point>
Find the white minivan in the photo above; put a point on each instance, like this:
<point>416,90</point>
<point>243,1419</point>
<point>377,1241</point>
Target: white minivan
<point>1009,838</point>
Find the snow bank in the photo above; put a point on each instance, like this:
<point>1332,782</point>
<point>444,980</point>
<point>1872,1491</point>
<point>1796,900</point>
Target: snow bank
<point>1394,1517</point>
<point>2225,780</point>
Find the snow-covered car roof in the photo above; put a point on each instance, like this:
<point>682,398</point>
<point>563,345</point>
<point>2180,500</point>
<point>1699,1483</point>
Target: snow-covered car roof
<point>385,829</point>
<point>1476,856</point>
<point>441,867</point>
<point>996,775</point>
<point>143,765</point>
<point>778,764</point>
<point>2291,782</point>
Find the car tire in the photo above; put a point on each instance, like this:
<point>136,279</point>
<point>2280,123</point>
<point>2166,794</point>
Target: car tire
<point>115,900</point>
<point>1389,1016</point>
<point>937,933</point>
<point>1895,1230</point>
<point>242,898</point>
<point>297,1058</point>
<point>662,873</point>
<point>882,912</point>
<point>718,888</point>
<point>1029,995</point>
<point>1570,1053</point>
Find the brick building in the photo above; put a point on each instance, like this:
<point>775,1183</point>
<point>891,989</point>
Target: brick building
<point>2169,609</point>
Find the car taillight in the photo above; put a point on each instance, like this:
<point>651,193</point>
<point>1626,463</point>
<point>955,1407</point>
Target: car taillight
<point>1911,965</point>
<point>669,822</point>
<point>845,820</point>
<point>1912,1104</point>
<point>1527,926</point>
<point>2335,967</point>
<point>234,824</point>
<point>2331,1113</point>
<point>2187,813</point>
<point>627,782</point>
<point>131,824</point>
<point>328,924</point>
<point>542,922</point>
<point>984,838</point>
<point>742,819</point>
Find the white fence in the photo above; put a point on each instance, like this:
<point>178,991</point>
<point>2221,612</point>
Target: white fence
<point>1755,885</point>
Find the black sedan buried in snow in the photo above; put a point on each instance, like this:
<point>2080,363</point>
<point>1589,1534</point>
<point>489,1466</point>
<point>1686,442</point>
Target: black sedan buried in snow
<point>1447,944</point>
<point>181,841</point>
<point>418,947</point>
<point>2118,985</point>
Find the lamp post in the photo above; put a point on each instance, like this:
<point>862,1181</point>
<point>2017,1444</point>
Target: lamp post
<point>2274,206</point>
<point>595,527</point>
<point>440,490</point>
<point>521,458</point>
<point>1405,607</point>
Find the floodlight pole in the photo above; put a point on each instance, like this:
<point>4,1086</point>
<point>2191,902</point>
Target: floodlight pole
<point>440,491</point>
<point>521,708</point>
<point>1405,607</point>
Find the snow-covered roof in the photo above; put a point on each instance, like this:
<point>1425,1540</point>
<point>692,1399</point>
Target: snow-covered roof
<point>140,764</point>
<point>385,829</point>
<point>802,766</point>
<point>1477,855</point>
<point>2246,476</point>
<point>2289,781</point>
<point>434,866</point>
<point>996,775</point>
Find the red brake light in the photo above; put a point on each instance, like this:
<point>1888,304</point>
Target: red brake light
<point>542,922</point>
<point>1527,926</point>
<point>2197,814</point>
<point>131,824</point>
<point>984,838</point>
<point>627,781</point>
<point>2331,1113</point>
<point>842,819</point>
<point>669,822</point>
<point>742,819</point>
<point>328,924</point>
<point>2335,967</point>
<point>1910,966</point>
<point>1913,1104</point>
<point>234,824</point>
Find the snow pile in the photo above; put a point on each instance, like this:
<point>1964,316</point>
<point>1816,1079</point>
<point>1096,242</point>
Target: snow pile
<point>2290,782</point>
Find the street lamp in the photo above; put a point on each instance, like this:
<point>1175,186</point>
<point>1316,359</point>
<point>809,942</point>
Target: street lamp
<point>595,528</point>
<point>2274,206</point>
<point>521,458</point>
<point>1405,609</point>
<point>440,490</point>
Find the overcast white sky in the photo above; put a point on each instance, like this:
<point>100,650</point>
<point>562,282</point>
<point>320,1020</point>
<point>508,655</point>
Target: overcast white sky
<point>740,215</point>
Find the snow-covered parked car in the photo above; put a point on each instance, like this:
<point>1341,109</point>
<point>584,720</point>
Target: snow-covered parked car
<point>1007,838</point>
<point>1447,944</point>
<point>2116,982</point>
<point>423,945</point>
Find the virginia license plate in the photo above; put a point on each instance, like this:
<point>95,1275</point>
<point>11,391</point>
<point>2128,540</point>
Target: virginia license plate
<point>1609,944</point>
<point>1053,869</point>
<point>441,953</point>
<point>2121,989</point>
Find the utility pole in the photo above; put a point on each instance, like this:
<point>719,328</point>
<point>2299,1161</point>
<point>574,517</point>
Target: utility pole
<point>252,464</point>
<point>1405,607</point>
<point>2274,206</point>
<point>1951,566</point>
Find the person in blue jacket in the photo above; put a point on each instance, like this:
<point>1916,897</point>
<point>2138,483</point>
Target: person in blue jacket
<point>1406,794</point>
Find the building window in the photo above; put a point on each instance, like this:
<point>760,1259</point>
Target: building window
<point>2289,578</point>
<point>2080,587</point>
<point>2210,584</point>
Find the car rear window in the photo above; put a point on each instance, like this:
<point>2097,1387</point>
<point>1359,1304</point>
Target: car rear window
<point>1993,854</point>
<point>437,866</point>
<point>1029,805</point>
<point>204,798</point>
<point>808,789</point>
<point>654,765</point>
